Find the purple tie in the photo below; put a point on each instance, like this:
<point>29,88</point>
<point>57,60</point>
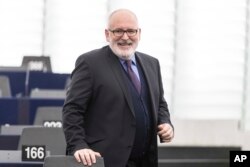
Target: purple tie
<point>133,76</point>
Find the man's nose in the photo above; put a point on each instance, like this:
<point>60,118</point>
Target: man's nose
<point>125,36</point>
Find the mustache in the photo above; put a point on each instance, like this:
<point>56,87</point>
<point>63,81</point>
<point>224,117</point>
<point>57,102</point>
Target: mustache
<point>125,42</point>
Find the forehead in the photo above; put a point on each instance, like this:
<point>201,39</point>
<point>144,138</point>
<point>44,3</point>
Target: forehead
<point>123,19</point>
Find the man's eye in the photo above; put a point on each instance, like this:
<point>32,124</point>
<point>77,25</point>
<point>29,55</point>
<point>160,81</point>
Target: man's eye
<point>118,31</point>
<point>131,31</point>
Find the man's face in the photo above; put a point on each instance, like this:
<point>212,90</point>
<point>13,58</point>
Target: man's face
<point>123,34</point>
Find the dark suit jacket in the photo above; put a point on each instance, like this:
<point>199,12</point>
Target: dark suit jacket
<point>98,111</point>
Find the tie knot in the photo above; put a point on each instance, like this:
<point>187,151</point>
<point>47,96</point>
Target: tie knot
<point>129,62</point>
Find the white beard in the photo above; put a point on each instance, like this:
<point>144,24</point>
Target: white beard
<point>123,54</point>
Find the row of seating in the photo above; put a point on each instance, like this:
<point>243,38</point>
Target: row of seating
<point>22,111</point>
<point>14,159</point>
<point>51,138</point>
<point>34,72</point>
<point>18,89</point>
<point>46,131</point>
<point>33,84</point>
<point>45,116</point>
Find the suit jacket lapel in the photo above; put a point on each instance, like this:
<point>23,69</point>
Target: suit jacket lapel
<point>147,72</point>
<point>117,70</point>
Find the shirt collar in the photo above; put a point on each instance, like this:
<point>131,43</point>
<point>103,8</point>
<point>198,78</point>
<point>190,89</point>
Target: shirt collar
<point>132,58</point>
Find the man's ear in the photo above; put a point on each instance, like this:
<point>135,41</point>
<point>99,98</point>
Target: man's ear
<point>139,34</point>
<point>107,35</point>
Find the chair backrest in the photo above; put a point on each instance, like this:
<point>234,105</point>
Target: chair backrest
<point>5,90</point>
<point>13,129</point>
<point>37,63</point>
<point>46,115</point>
<point>12,68</point>
<point>68,161</point>
<point>52,138</point>
<point>48,93</point>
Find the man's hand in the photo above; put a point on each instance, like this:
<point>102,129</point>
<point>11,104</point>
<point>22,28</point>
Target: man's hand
<point>86,156</point>
<point>165,132</point>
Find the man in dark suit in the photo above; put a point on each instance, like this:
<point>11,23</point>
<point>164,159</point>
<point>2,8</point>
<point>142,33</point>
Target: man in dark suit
<point>115,105</point>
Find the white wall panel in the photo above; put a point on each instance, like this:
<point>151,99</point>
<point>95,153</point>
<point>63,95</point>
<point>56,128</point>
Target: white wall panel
<point>21,30</point>
<point>210,50</point>
<point>72,28</point>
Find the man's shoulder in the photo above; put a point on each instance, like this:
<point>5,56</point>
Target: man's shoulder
<point>94,53</point>
<point>92,57</point>
<point>146,57</point>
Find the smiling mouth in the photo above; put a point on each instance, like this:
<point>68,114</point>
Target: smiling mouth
<point>125,43</point>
